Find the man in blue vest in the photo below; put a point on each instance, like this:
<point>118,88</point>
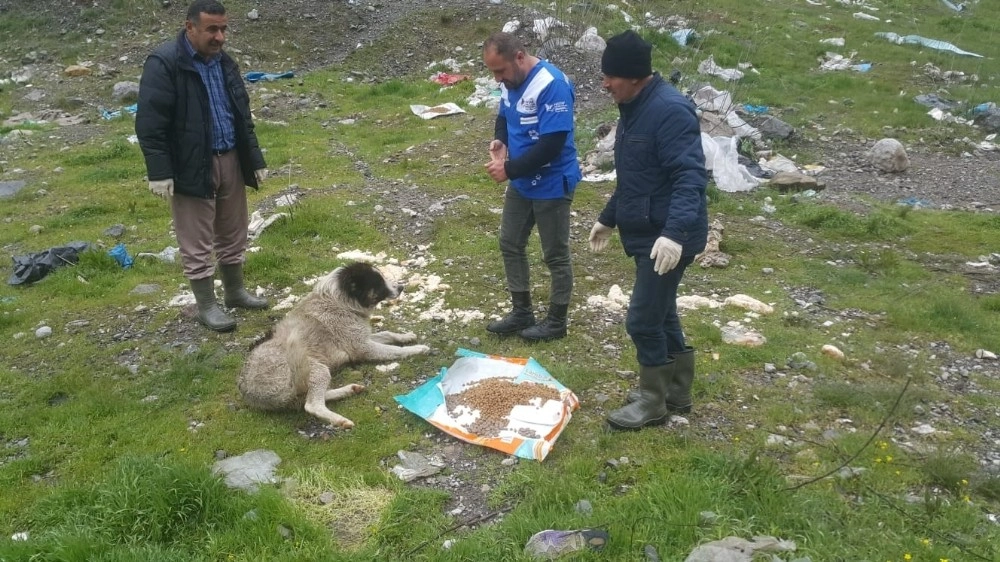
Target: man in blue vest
<point>533,149</point>
<point>661,212</point>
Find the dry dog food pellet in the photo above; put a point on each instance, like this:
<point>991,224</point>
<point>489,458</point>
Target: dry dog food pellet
<point>495,398</point>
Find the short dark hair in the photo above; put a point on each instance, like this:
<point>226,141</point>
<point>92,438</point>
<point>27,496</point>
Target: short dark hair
<point>506,45</point>
<point>199,7</point>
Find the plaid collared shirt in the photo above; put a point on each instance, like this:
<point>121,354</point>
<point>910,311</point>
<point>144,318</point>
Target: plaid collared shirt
<point>223,127</point>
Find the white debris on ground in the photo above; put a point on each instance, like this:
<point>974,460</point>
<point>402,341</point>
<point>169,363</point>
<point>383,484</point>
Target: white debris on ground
<point>615,299</point>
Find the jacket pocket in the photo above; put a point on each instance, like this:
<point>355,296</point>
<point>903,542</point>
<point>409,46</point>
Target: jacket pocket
<point>638,152</point>
<point>633,214</point>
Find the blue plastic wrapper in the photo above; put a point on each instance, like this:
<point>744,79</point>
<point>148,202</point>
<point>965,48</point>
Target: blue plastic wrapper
<point>121,256</point>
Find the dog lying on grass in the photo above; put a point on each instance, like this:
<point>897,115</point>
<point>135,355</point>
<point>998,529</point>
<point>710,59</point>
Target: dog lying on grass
<point>328,329</point>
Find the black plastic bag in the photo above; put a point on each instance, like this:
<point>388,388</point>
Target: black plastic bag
<point>31,268</point>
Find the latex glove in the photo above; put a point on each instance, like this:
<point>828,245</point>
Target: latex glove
<point>666,253</point>
<point>162,188</point>
<point>599,236</point>
<point>260,174</point>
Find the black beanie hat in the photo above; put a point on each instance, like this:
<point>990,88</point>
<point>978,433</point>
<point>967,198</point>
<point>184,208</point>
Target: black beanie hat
<point>627,56</point>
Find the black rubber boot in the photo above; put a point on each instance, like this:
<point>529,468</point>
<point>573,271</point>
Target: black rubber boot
<point>679,386</point>
<point>519,317</point>
<point>650,408</point>
<point>552,328</point>
<point>236,295</point>
<point>209,312</point>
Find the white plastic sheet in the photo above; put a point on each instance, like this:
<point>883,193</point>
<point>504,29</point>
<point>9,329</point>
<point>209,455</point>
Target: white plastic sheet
<point>722,159</point>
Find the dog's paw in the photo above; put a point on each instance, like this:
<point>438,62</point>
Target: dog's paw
<point>418,349</point>
<point>406,337</point>
<point>356,388</point>
<point>344,424</point>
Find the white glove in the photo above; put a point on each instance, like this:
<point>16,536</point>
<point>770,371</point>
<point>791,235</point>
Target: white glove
<point>162,188</point>
<point>666,253</point>
<point>260,174</point>
<point>599,236</point>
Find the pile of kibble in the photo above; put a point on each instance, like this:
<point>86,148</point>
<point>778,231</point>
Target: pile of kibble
<point>495,398</point>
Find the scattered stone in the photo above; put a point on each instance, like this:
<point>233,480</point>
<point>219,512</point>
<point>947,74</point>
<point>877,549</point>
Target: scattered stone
<point>253,15</point>
<point>416,466</point>
<point>43,332</point>
<point>125,92</point>
<point>794,181</point>
<point>741,335</point>
<point>115,231</point>
<point>774,128</point>
<point>584,507</point>
<point>9,189</point>
<point>77,70</point>
<point>326,498</point>
<point>983,354</point>
<point>888,155</point>
<point>832,352</point>
<point>248,470</point>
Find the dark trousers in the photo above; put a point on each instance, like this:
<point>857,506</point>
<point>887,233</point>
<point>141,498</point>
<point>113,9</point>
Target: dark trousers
<point>551,216</point>
<point>652,320</point>
<point>218,225</point>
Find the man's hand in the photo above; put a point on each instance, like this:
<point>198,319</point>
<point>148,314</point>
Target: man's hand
<point>261,175</point>
<point>599,236</point>
<point>496,170</point>
<point>498,151</point>
<point>666,253</point>
<point>162,188</point>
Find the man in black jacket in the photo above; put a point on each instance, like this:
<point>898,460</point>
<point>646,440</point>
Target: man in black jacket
<point>197,137</point>
<point>661,212</point>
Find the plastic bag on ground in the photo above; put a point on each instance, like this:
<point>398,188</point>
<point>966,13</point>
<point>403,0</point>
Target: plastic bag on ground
<point>551,544</point>
<point>31,268</point>
<point>722,159</point>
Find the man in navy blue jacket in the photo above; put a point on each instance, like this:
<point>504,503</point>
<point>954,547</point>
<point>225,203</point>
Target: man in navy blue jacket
<point>660,210</point>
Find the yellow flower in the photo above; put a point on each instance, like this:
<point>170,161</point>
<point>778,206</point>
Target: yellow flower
<point>736,438</point>
<point>898,473</point>
<point>878,459</point>
<point>883,445</point>
<point>888,458</point>
<point>925,542</point>
<point>907,556</point>
<point>944,560</point>
<point>966,499</point>
<point>965,482</point>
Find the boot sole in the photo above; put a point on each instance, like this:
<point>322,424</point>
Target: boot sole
<point>547,338</point>
<point>653,422</point>
<point>221,329</point>
<point>247,307</point>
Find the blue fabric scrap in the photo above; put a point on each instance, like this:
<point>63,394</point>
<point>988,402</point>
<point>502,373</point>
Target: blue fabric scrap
<point>258,76</point>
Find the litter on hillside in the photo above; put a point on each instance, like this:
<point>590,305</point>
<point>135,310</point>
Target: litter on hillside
<point>120,254</point>
<point>427,112</point>
<point>32,267</point>
<point>267,76</point>
<point>447,79</point>
<point>509,404</point>
<point>929,43</point>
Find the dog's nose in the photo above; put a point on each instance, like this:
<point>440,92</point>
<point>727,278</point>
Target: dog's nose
<point>399,288</point>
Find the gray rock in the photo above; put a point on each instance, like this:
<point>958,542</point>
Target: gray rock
<point>248,470</point>
<point>888,155</point>
<point>988,120</point>
<point>115,231</point>
<point>774,128</point>
<point>126,92</point>
<point>145,289</point>
<point>10,188</point>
